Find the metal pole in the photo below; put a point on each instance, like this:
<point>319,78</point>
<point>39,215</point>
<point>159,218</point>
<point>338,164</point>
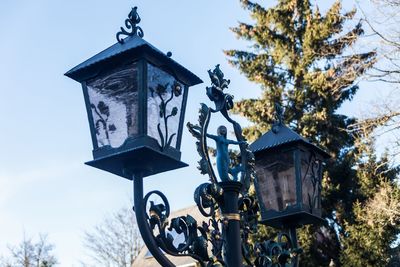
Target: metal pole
<point>143,225</point>
<point>293,239</point>
<point>231,229</point>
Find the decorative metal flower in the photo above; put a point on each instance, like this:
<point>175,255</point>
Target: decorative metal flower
<point>177,89</point>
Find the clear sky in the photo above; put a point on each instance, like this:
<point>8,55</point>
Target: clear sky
<point>44,185</point>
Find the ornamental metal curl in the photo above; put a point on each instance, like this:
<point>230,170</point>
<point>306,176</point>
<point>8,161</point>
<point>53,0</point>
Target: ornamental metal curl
<point>194,245</point>
<point>195,236</point>
<point>206,242</point>
<point>277,253</point>
<point>248,210</point>
<point>206,197</point>
<point>199,132</point>
<point>131,24</point>
<point>281,252</point>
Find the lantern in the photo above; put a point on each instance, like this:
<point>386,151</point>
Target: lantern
<point>135,99</point>
<point>289,172</point>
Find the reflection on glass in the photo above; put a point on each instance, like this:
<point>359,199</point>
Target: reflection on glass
<point>311,183</point>
<point>113,100</point>
<point>277,180</point>
<point>164,102</point>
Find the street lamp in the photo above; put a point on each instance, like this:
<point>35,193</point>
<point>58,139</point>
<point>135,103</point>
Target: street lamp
<point>289,174</point>
<point>288,183</point>
<point>135,99</point>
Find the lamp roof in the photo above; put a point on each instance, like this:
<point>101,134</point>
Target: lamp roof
<point>281,135</point>
<point>132,46</point>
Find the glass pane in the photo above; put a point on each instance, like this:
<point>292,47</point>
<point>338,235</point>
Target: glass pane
<point>113,100</point>
<point>311,180</point>
<point>164,103</point>
<point>276,180</point>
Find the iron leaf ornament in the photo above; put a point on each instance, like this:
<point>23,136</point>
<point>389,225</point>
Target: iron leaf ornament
<point>242,172</point>
<point>216,93</point>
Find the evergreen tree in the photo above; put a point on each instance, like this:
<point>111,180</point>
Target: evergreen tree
<point>300,59</point>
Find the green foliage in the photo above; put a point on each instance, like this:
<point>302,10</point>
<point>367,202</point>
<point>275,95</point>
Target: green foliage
<point>301,59</point>
<point>374,227</point>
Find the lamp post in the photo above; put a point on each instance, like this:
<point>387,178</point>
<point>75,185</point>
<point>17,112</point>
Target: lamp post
<point>135,99</point>
<point>288,179</point>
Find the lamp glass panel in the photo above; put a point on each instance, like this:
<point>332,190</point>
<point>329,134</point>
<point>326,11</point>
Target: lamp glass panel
<point>113,98</point>
<point>164,104</point>
<point>277,180</point>
<point>311,180</point>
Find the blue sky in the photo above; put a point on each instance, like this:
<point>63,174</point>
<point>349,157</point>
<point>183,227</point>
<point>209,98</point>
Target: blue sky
<point>44,185</point>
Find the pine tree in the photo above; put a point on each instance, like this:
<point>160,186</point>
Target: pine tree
<point>301,60</point>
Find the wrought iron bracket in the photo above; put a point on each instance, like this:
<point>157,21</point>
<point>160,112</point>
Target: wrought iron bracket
<point>231,212</point>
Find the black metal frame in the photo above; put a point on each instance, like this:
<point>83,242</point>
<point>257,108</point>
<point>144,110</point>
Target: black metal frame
<point>182,117</point>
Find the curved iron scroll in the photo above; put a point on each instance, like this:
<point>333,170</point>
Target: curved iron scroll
<point>281,252</point>
<point>195,236</point>
<point>277,253</point>
<point>205,241</point>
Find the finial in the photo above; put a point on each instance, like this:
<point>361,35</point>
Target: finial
<point>131,23</point>
<point>216,92</point>
<point>217,78</point>
<point>278,113</point>
<point>278,117</point>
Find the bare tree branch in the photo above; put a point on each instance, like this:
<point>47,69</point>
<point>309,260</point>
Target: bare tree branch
<point>31,254</point>
<point>116,241</point>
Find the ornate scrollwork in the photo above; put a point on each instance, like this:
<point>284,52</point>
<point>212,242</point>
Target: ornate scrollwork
<point>244,170</point>
<point>200,131</point>
<point>216,93</point>
<point>158,213</point>
<point>194,244</point>
<point>248,209</point>
<point>209,197</point>
<point>206,197</point>
<point>196,237</point>
<point>131,24</point>
<point>279,253</point>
